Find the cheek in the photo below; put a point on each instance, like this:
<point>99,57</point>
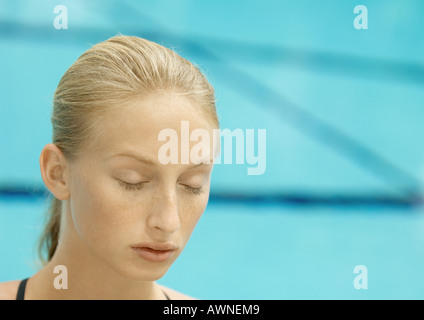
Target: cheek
<point>99,214</point>
<point>108,217</point>
<point>194,206</point>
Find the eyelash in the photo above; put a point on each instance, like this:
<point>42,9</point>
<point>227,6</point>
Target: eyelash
<point>196,191</point>
<point>130,186</point>
<point>139,186</point>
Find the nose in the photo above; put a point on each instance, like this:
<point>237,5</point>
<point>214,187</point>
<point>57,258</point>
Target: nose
<point>164,217</point>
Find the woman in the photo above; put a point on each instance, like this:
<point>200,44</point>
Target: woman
<point>119,216</point>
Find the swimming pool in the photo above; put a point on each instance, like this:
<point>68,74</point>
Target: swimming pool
<point>342,109</point>
<point>268,252</point>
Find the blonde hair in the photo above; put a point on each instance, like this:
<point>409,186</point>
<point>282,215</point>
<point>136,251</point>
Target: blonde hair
<point>104,77</point>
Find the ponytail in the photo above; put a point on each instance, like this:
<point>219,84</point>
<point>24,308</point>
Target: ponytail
<point>50,235</point>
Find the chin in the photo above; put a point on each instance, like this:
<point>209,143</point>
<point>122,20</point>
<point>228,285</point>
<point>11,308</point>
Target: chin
<point>144,273</point>
<point>137,269</point>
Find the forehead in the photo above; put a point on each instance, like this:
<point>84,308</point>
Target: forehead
<point>136,125</point>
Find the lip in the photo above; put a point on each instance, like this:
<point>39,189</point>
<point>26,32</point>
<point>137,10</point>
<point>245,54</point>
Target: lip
<point>155,252</point>
<point>156,246</point>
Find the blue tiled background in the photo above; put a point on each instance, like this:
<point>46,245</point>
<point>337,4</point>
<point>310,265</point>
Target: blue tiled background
<point>343,109</point>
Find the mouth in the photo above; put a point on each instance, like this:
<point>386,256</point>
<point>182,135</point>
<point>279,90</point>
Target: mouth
<point>155,252</point>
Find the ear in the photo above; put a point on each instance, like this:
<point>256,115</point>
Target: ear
<point>54,171</point>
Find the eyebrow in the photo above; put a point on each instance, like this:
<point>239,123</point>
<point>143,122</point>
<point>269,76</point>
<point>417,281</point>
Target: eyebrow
<point>146,160</point>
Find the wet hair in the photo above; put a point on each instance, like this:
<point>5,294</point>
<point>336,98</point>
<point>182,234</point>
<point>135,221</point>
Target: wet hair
<point>110,73</point>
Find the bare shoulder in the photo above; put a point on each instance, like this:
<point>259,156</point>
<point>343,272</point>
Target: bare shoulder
<point>9,289</point>
<point>175,295</point>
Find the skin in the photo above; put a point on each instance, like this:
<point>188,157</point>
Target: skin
<point>101,219</point>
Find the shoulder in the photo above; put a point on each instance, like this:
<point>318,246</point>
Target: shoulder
<point>175,295</point>
<point>9,289</point>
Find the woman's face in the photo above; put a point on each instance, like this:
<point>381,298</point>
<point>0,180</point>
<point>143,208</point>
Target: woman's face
<point>122,198</point>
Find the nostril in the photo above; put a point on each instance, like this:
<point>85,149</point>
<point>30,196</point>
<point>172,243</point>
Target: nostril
<point>165,221</point>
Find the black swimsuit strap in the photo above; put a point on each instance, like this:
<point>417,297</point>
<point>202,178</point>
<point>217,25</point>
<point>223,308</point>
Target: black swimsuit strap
<point>22,285</point>
<point>167,298</point>
<point>21,290</point>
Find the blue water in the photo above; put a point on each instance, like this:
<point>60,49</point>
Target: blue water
<point>343,111</point>
<point>268,252</point>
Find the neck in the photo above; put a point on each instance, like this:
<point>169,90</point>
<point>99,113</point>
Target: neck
<point>80,281</point>
<point>74,272</point>
<point>88,277</point>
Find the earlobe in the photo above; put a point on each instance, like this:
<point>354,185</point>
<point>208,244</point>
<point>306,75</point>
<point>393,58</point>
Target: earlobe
<point>53,171</point>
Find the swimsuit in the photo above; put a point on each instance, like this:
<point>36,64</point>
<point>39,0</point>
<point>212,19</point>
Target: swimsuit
<point>22,285</point>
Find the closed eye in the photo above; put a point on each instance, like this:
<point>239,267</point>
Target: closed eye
<point>131,186</point>
<point>140,185</point>
<point>196,191</point>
